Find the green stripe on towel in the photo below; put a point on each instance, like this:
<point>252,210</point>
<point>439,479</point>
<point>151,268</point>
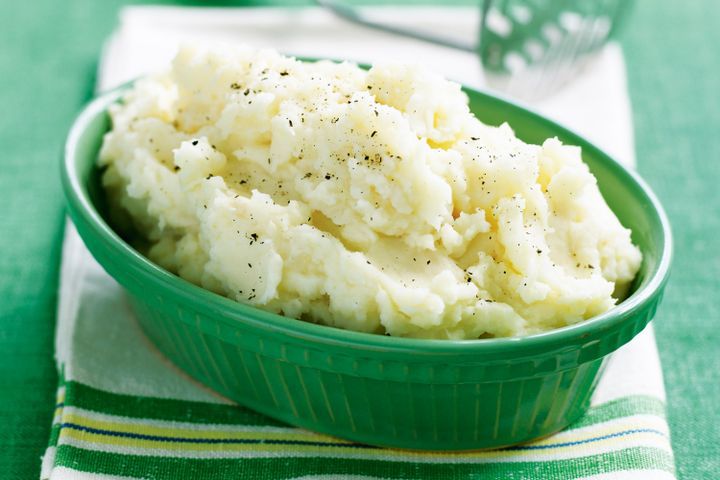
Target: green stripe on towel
<point>165,468</point>
<point>83,396</point>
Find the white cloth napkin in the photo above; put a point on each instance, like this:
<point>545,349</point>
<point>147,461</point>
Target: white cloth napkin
<point>116,357</point>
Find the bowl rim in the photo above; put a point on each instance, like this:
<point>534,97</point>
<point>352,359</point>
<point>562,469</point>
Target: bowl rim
<point>233,313</point>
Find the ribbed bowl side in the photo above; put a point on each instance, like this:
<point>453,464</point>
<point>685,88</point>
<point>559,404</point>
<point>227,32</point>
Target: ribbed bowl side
<point>410,414</point>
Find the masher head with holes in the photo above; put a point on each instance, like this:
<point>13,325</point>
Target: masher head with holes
<point>529,48</point>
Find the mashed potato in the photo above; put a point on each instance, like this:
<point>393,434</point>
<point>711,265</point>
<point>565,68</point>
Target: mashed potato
<point>367,200</point>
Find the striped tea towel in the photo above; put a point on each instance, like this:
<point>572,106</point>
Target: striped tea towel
<point>123,411</point>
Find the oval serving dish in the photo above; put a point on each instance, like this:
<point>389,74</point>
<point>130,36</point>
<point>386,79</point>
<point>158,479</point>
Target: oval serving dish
<point>397,392</point>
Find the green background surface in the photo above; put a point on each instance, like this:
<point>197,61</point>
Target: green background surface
<point>48,56</point>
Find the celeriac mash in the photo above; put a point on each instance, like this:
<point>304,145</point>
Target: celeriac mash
<point>368,200</point>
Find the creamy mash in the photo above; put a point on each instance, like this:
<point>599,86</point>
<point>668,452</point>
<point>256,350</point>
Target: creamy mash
<point>367,200</point>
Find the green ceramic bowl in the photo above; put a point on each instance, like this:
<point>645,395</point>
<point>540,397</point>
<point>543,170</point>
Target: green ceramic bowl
<point>417,394</point>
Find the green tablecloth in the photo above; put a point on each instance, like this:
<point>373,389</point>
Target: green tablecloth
<point>48,54</point>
